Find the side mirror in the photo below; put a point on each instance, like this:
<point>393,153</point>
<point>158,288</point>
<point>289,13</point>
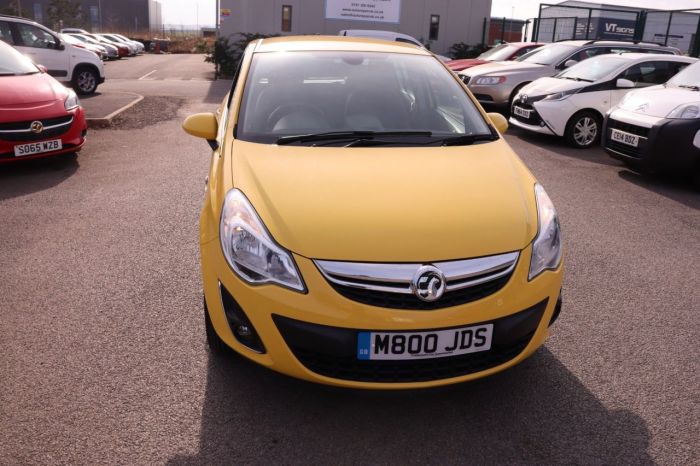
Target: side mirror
<point>499,121</point>
<point>202,125</point>
<point>42,68</point>
<point>624,83</point>
<point>58,45</point>
<point>569,63</point>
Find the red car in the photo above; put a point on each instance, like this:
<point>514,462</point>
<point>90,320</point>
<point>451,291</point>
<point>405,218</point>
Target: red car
<point>39,117</point>
<point>502,52</point>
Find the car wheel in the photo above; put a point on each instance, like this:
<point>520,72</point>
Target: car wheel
<point>696,178</point>
<point>85,80</point>
<point>583,130</point>
<point>215,343</point>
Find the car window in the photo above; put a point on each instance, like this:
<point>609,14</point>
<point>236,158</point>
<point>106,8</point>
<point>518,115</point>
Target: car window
<point>35,37</point>
<point>13,63</point>
<point>524,51</point>
<point>650,73</point>
<point>313,92</point>
<point>407,41</point>
<point>594,69</point>
<point>588,53</point>
<point>548,54</point>
<point>6,33</point>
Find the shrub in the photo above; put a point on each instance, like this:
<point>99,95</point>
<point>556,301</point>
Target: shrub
<point>226,53</point>
<point>462,50</point>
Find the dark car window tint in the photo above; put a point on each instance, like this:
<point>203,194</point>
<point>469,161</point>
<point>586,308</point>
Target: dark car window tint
<point>650,73</point>
<point>311,92</point>
<point>34,37</point>
<point>6,33</point>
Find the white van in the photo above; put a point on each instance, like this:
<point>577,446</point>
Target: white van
<point>80,68</point>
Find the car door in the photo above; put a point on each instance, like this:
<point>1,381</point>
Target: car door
<point>43,48</point>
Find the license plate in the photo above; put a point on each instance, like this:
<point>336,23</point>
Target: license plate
<point>38,147</point>
<point>624,138</point>
<point>424,345</point>
<point>519,111</point>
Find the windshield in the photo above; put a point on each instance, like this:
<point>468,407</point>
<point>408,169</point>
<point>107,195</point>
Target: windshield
<point>302,93</point>
<point>593,69</point>
<point>71,40</point>
<point>549,54</point>
<point>689,77</point>
<point>13,63</point>
<point>499,53</point>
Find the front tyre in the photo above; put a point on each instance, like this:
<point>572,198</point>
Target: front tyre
<point>85,80</point>
<point>583,130</point>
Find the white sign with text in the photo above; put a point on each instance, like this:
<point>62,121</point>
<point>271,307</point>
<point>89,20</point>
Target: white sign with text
<point>383,11</point>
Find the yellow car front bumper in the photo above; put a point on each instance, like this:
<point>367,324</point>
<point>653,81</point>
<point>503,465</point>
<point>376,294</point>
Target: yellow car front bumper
<point>323,320</point>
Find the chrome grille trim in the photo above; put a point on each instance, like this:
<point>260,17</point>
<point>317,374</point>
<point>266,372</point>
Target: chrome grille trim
<point>29,130</point>
<point>396,278</point>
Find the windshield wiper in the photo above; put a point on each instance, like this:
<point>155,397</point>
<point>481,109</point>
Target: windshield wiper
<point>466,139</point>
<point>341,135</point>
<point>690,86</point>
<point>577,79</point>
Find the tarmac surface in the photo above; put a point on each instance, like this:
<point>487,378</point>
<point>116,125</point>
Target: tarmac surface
<point>104,359</point>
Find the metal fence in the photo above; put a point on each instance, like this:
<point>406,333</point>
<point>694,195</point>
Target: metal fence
<point>677,28</point>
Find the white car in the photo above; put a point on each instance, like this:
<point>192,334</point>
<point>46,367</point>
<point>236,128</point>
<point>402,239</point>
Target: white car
<point>71,65</point>
<point>139,46</point>
<point>388,35</point>
<point>75,42</point>
<point>573,103</point>
<point>657,129</point>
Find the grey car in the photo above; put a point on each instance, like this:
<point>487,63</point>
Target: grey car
<point>496,84</point>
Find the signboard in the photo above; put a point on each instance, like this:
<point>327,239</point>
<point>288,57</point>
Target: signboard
<point>225,12</point>
<point>616,29</point>
<point>380,11</point>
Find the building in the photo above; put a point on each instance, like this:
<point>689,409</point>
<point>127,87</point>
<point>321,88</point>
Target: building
<point>436,23</point>
<point>505,30</point>
<point>623,20</point>
<point>124,16</point>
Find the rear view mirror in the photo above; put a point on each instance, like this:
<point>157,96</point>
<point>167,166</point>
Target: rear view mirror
<point>569,63</point>
<point>499,121</point>
<point>202,125</point>
<point>624,83</point>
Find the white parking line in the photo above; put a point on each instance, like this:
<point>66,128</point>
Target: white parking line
<point>146,75</point>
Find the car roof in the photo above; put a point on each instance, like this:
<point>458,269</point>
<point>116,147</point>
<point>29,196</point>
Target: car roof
<point>581,43</point>
<point>650,56</point>
<point>335,43</point>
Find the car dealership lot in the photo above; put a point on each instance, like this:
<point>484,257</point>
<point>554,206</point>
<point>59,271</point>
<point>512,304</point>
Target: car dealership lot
<point>104,357</point>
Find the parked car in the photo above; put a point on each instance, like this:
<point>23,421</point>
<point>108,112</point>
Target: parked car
<point>78,67</point>
<point>112,51</point>
<point>139,46</point>
<point>374,287</point>
<point>75,42</point>
<point>39,117</point>
<point>122,49</point>
<point>73,31</point>
<point>502,52</point>
<point>657,129</point>
<point>387,35</point>
<point>573,103</point>
<point>131,47</point>
<point>496,84</point>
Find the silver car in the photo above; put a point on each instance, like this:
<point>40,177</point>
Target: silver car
<point>496,84</point>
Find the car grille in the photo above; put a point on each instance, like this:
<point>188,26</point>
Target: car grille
<point>389,285</point>
<point>20,131</point>
<point>331,351</point>
<point>466,79</point>
<point>629,128</point>
<point>534,119</point>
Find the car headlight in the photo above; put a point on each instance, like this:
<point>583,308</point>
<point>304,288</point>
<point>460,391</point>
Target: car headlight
<point>71,101</point>
<point>489,80</point>
<point>546,249</point>
<point>250,250</point>
<point>561,95</point>
<point>687,111</point>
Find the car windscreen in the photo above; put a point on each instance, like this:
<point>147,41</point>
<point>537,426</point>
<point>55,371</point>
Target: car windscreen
<point>593,69</point>
<point>13,63</point>
<point>548,54</point>
<point>301,93</point>
<point>499,53</point>
<point>689,77</point>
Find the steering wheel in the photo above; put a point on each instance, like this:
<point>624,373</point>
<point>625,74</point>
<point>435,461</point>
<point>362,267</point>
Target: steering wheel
<point>286,109</point>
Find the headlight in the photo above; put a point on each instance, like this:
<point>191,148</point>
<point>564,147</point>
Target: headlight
<point>250,250</point>
<point>71,101</point>
<point>561,95</point>
<point>688,111</point>
<point>489,80</point>
<point>546,249</point>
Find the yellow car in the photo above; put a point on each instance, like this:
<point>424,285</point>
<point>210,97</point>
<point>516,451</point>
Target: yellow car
<point>365,223</point>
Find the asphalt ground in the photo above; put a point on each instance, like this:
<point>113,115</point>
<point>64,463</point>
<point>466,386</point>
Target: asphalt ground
<point>103,357</point>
